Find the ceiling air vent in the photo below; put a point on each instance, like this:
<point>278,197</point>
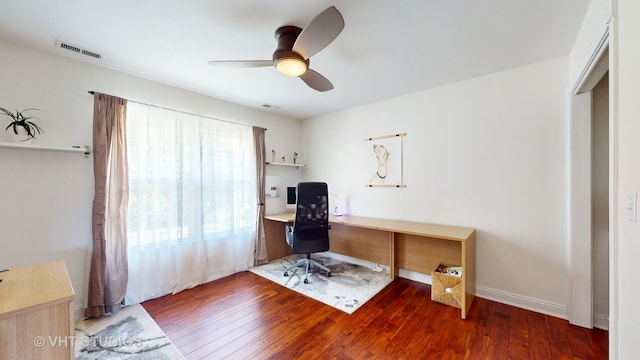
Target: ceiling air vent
<point>78,50</point>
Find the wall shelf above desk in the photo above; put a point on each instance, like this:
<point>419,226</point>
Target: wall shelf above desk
<point>77,149</point>
<point>286,164</point>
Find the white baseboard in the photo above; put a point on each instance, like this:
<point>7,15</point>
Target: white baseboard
<point>601,321</point>
<point>78,312</point>
<point>349,259</point>
<point>415,276</point>
<point>524,302</point>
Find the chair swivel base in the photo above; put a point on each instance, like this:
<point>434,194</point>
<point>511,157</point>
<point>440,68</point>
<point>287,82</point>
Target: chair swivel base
<point>307,262</point>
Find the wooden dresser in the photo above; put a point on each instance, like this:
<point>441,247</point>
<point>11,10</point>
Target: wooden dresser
<point>36,313</point>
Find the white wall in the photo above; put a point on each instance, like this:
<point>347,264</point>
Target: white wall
<point>489,153</point>
<point>45,208</point>
<point>627,77</point>
<point>597,14</point>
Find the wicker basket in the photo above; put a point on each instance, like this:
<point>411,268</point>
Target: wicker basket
<point>446,289</point>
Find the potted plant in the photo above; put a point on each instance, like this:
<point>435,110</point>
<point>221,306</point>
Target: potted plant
<point>22,128</point>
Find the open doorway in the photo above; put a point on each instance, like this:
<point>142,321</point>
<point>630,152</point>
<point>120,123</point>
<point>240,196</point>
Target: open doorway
<point>590,174</point>
<point>600,202</point>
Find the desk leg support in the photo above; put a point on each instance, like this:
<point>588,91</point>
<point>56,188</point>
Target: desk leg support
<point>468,272</point>
<point>393,269</point>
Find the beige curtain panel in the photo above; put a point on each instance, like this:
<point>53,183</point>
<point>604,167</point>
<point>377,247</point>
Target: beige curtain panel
<point>261,256</point>
<point>108,274</point>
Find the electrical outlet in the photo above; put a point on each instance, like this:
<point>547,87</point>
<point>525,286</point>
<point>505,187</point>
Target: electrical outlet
<point>632,206</point>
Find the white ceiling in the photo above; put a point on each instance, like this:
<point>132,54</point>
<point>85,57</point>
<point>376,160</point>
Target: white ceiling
<point>387,48</point>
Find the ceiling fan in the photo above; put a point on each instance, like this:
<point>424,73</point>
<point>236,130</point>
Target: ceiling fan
<point>296,46</point>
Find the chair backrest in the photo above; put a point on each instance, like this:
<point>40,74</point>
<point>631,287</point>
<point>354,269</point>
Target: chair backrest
<point>311,223</point>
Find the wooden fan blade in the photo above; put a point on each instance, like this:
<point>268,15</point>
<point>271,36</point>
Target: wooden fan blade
<point>316,81</point>
<point>241,63</point>
<point>320,32</point>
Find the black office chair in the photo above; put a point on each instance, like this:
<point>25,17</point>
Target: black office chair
<point>310,230</point>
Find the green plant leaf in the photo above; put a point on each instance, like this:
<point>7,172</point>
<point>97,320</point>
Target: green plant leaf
<point>8,113</point>
<point>19,119</point>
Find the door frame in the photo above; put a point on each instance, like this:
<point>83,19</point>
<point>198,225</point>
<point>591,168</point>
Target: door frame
<point>597,62</point>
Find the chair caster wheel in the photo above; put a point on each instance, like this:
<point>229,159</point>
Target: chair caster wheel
<point>286,273</point>
<point>306,281</point>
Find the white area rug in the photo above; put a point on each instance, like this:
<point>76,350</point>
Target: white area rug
<point>130,334</point>
<point>348,288</point>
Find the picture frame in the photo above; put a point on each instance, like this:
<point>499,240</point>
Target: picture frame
<point>385,161</point>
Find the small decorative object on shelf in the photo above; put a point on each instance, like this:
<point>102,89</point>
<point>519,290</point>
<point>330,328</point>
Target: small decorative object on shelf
<point>273,155</point>
<point>295,157</point>
<point>283,159</point>
<point>21,128</point>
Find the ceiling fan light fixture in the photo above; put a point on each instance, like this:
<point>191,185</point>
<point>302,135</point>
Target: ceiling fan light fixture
<point>291,66</point>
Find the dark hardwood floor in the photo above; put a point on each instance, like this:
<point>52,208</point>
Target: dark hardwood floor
<point>245,316</point>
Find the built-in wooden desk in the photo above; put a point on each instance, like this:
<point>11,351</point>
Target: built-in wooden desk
<point>36,313</point>
<point>414,246</point>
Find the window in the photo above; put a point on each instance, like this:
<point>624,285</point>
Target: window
<point>191,196</point>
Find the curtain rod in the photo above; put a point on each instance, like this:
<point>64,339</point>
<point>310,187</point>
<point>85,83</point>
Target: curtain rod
<point>184,112</point>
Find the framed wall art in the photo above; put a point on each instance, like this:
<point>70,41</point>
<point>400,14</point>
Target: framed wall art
<point>384,161</point>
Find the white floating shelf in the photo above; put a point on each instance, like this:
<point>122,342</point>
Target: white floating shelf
<point>77,149</point>
<point>285,164</point>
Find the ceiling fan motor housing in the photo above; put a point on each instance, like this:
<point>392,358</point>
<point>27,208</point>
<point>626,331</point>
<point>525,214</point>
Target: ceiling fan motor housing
<point>286,37</point>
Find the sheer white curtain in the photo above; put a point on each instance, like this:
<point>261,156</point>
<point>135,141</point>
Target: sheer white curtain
<point>191,203</point>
